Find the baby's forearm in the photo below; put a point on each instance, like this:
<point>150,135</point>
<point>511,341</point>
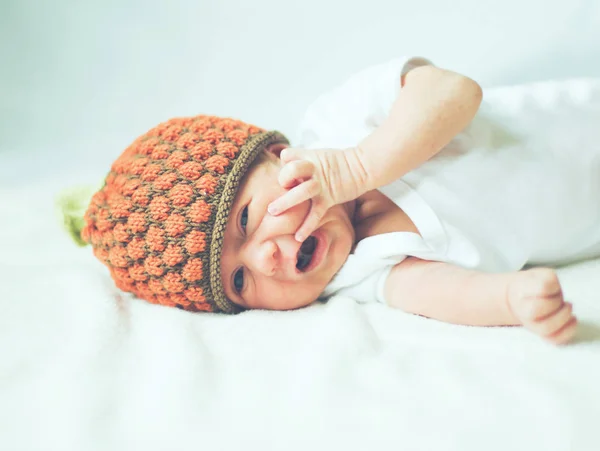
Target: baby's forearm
<point>450,293</point>
<point>433,106</point>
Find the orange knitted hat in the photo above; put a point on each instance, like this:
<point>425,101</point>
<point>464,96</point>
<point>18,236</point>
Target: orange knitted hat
<point>158,221</point>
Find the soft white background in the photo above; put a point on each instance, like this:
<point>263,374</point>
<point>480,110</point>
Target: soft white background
<point>81,79</point>
<point>83,367</point>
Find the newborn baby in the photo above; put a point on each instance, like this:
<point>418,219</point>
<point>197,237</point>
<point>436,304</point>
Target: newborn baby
<point>404,189</point>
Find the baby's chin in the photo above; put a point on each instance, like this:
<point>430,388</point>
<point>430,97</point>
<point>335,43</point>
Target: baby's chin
<point>290,302</point>
<point>339,263</point>
<point>294,306</point>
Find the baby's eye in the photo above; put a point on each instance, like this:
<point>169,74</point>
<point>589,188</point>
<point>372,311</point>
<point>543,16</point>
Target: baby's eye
<point>244,218</point>
<point>238,280</point>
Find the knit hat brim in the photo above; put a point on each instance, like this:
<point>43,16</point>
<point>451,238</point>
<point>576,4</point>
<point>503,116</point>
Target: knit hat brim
<point>248,154</point>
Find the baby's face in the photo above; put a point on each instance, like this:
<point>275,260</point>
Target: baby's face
<point>262,266</point>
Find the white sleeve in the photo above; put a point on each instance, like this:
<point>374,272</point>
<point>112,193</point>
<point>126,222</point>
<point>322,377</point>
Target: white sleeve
<point>346,114</point>
<point>370,289</point>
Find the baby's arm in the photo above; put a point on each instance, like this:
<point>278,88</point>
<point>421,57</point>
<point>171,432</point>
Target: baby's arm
<point>433,106</point>
<point>453,294</point>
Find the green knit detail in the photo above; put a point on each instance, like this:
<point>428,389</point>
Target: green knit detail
<point>71,204</point>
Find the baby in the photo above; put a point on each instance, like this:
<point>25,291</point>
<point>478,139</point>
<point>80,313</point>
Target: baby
<point>404,189</point>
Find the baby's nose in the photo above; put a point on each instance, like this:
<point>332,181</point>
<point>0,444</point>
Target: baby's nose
<point>262,257</point>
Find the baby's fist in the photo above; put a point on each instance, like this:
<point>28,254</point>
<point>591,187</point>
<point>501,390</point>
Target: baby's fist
<point>535,297</point>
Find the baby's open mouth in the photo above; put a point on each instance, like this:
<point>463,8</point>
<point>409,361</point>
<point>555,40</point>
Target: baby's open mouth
<point>305,253</point>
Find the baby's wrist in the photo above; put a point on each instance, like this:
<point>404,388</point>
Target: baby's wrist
<point>361,179</point>
<point>509,296</point>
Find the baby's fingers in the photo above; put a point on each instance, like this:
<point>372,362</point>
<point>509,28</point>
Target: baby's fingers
<point>303,192</point>
<point>566,333</point>
<point>294,173</point>
<point>553,323</point>
<point>311,222</point>
<point>289,154</point>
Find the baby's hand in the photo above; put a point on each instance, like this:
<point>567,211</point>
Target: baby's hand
<point>327,177</point>
<point>536,299</point>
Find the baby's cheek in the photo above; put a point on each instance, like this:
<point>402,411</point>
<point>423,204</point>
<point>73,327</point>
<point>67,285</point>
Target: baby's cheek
<point>299,212</point>
<point>277,295</point>
<point>286,223</point>
<point>275,192</point>
<point>299,296</point>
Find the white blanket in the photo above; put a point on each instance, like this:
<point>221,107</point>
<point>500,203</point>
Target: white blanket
<point>83,367</point>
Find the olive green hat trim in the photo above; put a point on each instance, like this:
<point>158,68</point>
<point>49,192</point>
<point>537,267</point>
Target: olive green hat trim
<point>248,154</point>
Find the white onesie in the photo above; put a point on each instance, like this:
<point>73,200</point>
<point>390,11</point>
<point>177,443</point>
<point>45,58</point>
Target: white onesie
<point>520,185</point>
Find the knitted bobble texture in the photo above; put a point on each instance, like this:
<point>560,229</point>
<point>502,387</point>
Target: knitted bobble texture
<point>158,221</point>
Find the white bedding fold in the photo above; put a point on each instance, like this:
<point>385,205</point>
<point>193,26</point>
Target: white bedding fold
<point>83,367</point>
